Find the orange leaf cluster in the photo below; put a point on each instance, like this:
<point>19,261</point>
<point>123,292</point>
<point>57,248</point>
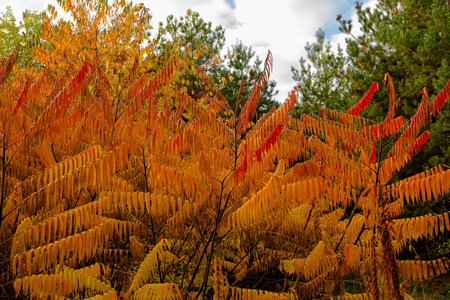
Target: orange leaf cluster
<point>108,165</point>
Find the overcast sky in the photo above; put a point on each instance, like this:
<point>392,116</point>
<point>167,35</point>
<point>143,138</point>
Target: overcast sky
<point>282,26</point>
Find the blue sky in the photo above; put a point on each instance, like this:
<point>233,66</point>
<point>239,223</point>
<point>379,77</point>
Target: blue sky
<point>346,9</point>
<point>331,27</point>
<point>231,2</point>
<point>283,26</point>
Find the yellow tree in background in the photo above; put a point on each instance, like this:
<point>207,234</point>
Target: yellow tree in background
<point>107,32</point>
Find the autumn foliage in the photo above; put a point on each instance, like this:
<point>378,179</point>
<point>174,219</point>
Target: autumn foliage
<point>118,184</point>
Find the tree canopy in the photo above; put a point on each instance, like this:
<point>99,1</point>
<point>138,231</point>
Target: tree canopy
<point>322,81</point>
<point>122,178</point>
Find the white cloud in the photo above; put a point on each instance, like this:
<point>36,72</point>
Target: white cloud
<point>356,29</point>
<point>20,6</point>
<point>282,26</point>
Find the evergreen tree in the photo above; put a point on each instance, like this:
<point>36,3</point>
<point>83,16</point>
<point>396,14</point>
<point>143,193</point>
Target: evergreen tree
<point>200,45</point>
<point>407,39</point>
<point>200,41</point>
<point>238,65</point>
<point>322,82</point>
<point>411,41</point>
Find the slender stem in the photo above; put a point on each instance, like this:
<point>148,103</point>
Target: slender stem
<point>152,227</point>
<point>53,153</point>
<point>243,257</point>
<point>359,234</point>
<point>4,166</point>
<point>191,256</point>
<point>375,288</point>
<point>348,224</point>
<point>213,240</point>
<point>309,217</point>
<point>197,267</point>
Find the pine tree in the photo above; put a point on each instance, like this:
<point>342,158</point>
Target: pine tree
<point>202,45</point>
<point>197,37</point>
<point>241,67</point>
<point>407,39</point>
<point>322,81</point>
<point>411,41</point>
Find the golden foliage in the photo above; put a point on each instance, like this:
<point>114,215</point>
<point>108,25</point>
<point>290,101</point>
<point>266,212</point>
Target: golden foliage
<point>158,291</point>
<point>148,269</point>
<point>117,183</point>
<point>420,270</point>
